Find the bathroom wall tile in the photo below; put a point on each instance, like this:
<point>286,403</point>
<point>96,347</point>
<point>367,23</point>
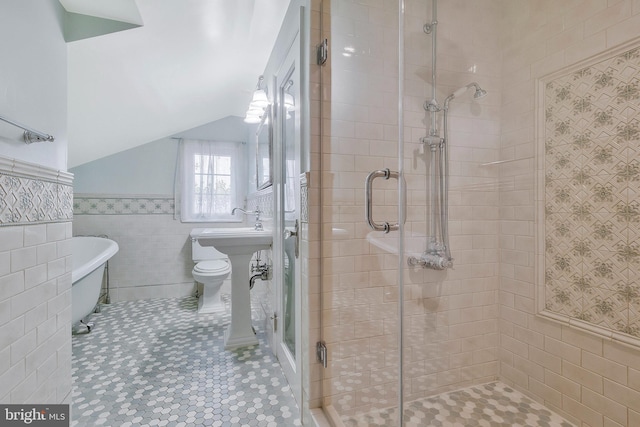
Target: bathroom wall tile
<point>46,252</point>
<point>56,231</point>
<point>11,285</point>
<point>605,406</point>
<point>621,31</point>
<point>582,376</point>
<point>23,258</point>
<point>13,376</point>
<point>581,411</point>
<point>621,394</point>
<point>12,238</point>
<point>5,263</point>
<point>633,379</point>
<point>35,235</point>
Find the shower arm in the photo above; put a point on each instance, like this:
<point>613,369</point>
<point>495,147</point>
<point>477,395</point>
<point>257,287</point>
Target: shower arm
<point>478,94</point>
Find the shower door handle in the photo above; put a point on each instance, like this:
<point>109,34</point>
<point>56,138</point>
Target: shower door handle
<point>385,226</point>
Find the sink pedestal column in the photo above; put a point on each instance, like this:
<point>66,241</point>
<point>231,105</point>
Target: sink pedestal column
<point>239,244</point>
<point>240,333</point>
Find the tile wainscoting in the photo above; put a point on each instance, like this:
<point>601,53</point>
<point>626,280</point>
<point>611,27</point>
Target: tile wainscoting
<point>35,283</point>
<point>154,260</point>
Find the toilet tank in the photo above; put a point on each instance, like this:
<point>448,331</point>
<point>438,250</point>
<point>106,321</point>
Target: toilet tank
<point>203,253</point>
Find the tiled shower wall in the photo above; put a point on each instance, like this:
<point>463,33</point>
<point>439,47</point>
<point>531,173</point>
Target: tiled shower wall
<point>451,316</point>
<point>35,283</point>
<point>591,380</point>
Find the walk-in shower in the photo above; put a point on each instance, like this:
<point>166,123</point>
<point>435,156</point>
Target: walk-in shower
<point>396,335</point>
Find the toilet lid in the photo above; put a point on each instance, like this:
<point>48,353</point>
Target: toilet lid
<point>213,266</point>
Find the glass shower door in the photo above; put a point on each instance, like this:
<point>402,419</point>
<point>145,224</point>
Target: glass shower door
<point>360,266</point>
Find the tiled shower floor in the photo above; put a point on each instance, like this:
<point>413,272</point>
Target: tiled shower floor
<point>486,405</point>
<point>158,363</point>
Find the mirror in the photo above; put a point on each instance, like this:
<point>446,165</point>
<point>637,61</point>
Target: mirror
<point>264,137</point>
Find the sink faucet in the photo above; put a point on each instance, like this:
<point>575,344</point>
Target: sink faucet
<point>257,212</point>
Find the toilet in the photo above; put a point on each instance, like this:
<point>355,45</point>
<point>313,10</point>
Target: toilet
<point>211,269</point>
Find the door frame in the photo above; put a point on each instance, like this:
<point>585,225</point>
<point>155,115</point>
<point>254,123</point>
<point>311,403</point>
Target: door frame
<point>290,69</point>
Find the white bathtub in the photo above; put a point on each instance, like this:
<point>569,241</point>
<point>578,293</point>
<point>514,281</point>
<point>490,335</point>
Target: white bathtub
<point>89,256</point>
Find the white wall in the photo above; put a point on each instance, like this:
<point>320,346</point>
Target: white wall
<point>33,80</point>
<point>35,277</point>
<point>150,168</point>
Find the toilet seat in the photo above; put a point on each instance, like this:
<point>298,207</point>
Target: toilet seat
<point>212,267</point>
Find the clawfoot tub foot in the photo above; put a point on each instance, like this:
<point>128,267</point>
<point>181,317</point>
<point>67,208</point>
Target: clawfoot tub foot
<point>87,325</point>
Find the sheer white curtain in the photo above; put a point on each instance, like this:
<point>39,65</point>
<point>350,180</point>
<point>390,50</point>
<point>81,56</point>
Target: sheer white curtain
<point>208,180</point>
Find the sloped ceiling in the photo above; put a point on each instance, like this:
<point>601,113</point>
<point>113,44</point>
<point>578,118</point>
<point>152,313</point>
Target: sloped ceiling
<point>115,10</point>
<point>192,62</point>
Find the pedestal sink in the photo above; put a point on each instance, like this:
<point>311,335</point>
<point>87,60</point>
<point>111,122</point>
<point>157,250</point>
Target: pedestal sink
<point>239,244</point>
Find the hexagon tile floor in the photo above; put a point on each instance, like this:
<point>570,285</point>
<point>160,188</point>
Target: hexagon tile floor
<point>159,363</point>
<point>486,405</point>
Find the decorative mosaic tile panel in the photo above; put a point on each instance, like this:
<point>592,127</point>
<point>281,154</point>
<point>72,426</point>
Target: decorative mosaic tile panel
<point>487,405</point>
<point>159,362</point>
<point>592,189</point>
<point>123,206</point>
<point>264,200</point>
<point>27,200</point>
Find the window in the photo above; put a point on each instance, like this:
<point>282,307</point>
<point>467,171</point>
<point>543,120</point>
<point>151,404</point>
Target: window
<point>210,184</point>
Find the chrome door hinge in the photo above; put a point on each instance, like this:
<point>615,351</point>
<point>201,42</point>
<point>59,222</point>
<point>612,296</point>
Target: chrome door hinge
<point>322,52</point>
<point>274,321</point>
<point>321,353</point>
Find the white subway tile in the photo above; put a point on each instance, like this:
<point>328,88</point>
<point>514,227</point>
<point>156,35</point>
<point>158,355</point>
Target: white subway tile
<point>5,263</point>
<point>11,238</point>
<point>57,231</point>
<point>11,285</point>
<point>35,235</point>
<point>23,346</point>
<point>23,258</point>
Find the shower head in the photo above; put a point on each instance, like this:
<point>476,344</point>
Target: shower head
<point>479,93</point>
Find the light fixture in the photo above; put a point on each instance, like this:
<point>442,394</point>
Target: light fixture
<point>259,101</point>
